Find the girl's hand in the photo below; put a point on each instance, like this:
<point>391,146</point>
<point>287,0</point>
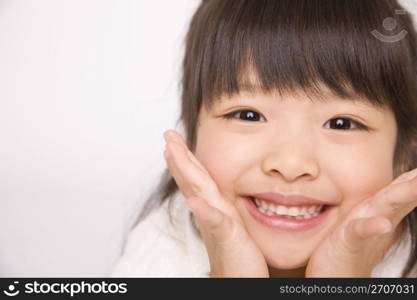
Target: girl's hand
<point>231,251</point>
<point>355,247</point>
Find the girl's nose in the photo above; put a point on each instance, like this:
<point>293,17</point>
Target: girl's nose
<point>291,160</point>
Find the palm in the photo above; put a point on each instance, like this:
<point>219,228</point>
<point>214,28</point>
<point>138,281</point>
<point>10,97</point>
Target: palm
<point>232,252</point>
<point>338,256</point>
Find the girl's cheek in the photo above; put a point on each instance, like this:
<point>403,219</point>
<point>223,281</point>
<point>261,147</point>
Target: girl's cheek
<point>358,176</point>
<point>225,162</point>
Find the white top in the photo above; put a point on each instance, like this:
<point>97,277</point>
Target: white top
<point>156,248</point>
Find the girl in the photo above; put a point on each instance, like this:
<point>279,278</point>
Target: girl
<point>299,157</point>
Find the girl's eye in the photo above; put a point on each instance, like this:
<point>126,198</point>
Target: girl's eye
<point>244,115</point>
<point>336,123</point>
<point>345,124</point>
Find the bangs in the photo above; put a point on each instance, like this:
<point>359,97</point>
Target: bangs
<point>288,45</point>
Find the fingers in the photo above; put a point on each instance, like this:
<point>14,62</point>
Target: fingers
<point>211,218</point>
<point>190,175</point>
<point>190,179</point>
<point>398,199</point>
<point>173,136</point>
<point>364,228</point>
<point>360,231</point>
<point>406,176</point>
<point>387,209</point>
<point>228,246</point>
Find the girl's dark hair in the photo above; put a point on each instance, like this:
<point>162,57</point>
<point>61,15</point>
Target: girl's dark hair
<point>345,45</point>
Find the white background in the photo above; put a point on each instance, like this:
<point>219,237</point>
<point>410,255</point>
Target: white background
<point>87,88</point>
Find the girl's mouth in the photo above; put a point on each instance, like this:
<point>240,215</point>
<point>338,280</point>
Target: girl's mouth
<point>288,218</point>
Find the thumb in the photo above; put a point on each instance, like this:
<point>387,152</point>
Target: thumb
<point>360,230</point>
<point>218,223</point>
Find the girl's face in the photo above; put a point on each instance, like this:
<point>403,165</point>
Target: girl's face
<point>339,152</point>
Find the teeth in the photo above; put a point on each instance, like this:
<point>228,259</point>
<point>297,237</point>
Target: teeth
<point>299,213</point>
<point>312,209</point>
<point>293,211</point>
<point>281,210</point>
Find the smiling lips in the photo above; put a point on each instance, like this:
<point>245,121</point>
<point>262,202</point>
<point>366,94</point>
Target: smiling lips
<point>297,206</point>
<point>299,212</point>
<point>292,213</point>
<point>290,200</point>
